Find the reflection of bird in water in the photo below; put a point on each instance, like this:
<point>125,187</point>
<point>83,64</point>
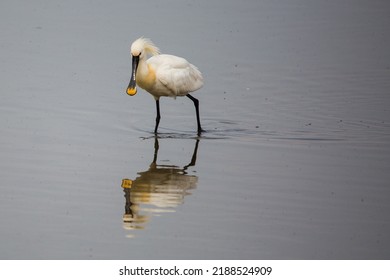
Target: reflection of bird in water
<point>163,75</point>
<point>159,189</point>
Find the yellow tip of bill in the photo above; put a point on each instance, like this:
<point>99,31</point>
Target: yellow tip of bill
<point>131,91</point>
<point>126,183</point>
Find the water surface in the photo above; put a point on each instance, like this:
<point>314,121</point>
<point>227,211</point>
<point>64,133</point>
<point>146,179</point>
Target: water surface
<point>294,163</point>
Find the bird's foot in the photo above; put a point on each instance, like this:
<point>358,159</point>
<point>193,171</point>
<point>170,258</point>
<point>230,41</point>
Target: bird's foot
<point>200,131</point>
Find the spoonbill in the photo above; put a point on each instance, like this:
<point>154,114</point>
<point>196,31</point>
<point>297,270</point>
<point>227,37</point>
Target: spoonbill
<point>163,75</point>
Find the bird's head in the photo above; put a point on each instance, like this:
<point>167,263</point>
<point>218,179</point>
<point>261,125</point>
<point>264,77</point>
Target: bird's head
<point>140,49</point>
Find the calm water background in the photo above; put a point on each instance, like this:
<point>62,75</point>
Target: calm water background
<point>295,163</point>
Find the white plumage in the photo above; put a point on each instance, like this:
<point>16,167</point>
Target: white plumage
<point>175,76</point>
<point>163,75</point>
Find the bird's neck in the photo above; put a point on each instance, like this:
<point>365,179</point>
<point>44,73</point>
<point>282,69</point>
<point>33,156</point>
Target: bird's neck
<point>142,70</point>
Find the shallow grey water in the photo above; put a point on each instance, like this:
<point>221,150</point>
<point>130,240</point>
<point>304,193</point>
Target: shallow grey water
<point>294,163</point>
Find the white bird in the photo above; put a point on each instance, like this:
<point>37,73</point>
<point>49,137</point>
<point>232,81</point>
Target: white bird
<point>163,75</point>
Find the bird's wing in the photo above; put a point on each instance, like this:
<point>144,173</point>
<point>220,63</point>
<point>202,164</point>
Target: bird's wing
<point>177,74</point>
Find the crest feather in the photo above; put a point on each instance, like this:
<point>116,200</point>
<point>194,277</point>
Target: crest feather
<point>144,44</point>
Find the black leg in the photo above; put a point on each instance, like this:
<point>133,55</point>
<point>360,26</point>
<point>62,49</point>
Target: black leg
<point>196,103</point>
<point>194,155</point>
<point>156,147</point>
<point>158,117</point>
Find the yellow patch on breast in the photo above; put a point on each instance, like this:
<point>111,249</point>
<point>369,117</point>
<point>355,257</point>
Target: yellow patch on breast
<point>147,81</point>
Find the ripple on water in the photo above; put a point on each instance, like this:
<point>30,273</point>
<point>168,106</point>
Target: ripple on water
<point>288,130</point>
<point>228,129</point>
